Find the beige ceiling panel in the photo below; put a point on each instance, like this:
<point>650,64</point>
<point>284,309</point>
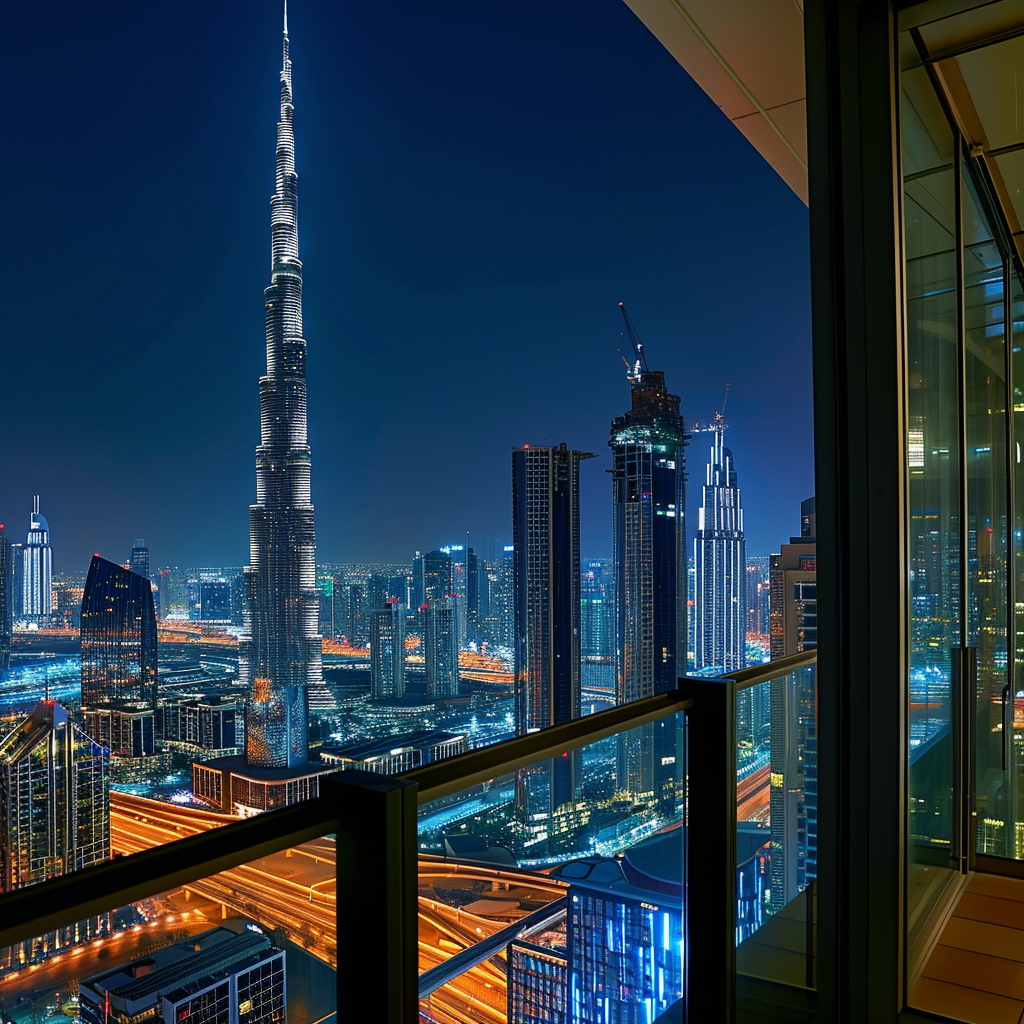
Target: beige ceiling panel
<point>767,142</point>
<point>994,77</point>
<point>747,55</point>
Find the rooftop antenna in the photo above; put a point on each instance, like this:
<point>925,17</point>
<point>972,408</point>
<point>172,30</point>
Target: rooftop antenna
<point>286,17</point>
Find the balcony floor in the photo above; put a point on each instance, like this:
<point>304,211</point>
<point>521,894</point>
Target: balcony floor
<point>976,972</point>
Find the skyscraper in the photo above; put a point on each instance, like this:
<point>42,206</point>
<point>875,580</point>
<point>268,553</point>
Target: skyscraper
<point>54,806</point>
<point>546,582</point>
<point>139,561</point>
<point>119,639</point>
<point>719,555</point>
<point>441,647</point>
<point>6,600</point>
<point>387,651</point>
<point>280,657</point>
<point>648,516</point>
<point>37,567</point>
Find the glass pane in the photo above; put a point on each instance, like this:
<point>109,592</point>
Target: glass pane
<point>933,455</point>
<point>563,881</point>
<point>256,945</point>
<point>777,837</point>
<point>987,522</point>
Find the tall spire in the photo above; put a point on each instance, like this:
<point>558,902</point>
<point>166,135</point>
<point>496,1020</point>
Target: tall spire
<point>280,658</point>
<point>286,18</point>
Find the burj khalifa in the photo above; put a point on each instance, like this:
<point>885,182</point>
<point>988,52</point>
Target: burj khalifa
<point>280,655</point>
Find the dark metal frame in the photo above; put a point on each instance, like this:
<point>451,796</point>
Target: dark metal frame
<point>374,819</point>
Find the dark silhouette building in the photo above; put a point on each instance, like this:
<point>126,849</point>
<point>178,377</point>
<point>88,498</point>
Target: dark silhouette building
<point>119,640</point>
<point>6,599</point>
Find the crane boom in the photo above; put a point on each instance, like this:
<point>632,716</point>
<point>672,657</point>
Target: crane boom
<point>638,345</point>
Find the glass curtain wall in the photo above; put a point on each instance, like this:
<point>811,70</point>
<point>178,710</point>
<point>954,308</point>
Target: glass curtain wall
<point>964,432</point>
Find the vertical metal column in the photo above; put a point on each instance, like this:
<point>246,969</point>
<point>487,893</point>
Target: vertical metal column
<point>860,467</point>
<point>709,873</point>
<point>376,887</point>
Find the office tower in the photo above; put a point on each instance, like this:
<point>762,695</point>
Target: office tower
<point>139,560</point>
<point>794,764</point>
<point>387,651</point>
<point>54,799</point>
<point>6,600</point>
<point>438,575</point>
<point>597,628</point>
<point>719,555</point>
<point>546,588</point>
<point>119,639</point>
<point>538,983</point>
<point>546,582</point>
<point>37,567</point>
<point>648,515</point>
<point>228,975</point>
<point>280,658</point>
<point>473,567</point>
<point>416,597</point>
<point>441,648</point>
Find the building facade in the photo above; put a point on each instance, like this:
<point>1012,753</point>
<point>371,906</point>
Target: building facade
<point>441,647</point>
<point>387,651</point>
<point>37,568</point>
<point>119,638</point>
<point>54,812</point>
<point>280,656</point>
<point>719,557</point>
<point>139,559</point>
<point>6,600</point>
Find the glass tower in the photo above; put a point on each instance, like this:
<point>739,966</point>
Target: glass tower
<point>37,567</point>
<point>441,643</point>
<point>119,639</point>
<point>280,657</point>
<point>387,651</point>
<point>720,557</point>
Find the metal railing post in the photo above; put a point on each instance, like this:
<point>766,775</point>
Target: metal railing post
<point>376,896</point>
<point>710,861</point>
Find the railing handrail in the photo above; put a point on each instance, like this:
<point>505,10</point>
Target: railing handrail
<point>756,674</point>
<point>454,774</point>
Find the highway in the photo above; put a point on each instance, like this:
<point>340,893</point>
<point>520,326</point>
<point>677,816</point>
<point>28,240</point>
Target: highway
<point>295,890</point>
<point>753,795</point>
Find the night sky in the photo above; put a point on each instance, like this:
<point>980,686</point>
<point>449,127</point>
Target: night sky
<point>480,184</point>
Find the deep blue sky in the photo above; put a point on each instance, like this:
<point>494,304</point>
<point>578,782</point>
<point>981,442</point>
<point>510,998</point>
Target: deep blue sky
<point>480,184</point>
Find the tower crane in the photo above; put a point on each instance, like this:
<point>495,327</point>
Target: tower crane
<point>720,416</point>
<point>638,346</point>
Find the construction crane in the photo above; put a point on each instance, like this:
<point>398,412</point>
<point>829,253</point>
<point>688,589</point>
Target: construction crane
<point>638,346</point>
<point>720,416</point>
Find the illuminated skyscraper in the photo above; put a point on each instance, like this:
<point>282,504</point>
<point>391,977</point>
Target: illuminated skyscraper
<point>441,647</point>
<point>37,567</point>
<point>119,640</point>
<point>720,558</point>
<point>6,599</point>
<point>54,800</point>
<point>280,657</point>
<point>387,651</point>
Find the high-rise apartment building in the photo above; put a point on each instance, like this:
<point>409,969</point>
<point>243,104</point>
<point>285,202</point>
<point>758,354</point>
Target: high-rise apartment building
<point>441,647</point>
<point>546,588</point>
<point>757,595</point>
<point>280,657</point>
<point>119,638</point>
<point>18,580</point>
<point>37,567</point>
<point>720,556</point>
<point>6,600</point>
<point>546,581</point>
<point>54,800</point>
<point>387,651</point>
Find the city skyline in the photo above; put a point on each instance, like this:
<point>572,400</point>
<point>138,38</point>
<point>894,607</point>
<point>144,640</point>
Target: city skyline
<point>481,328</point>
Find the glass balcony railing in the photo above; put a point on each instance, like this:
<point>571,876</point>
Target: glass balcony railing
<point>660,854</point>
